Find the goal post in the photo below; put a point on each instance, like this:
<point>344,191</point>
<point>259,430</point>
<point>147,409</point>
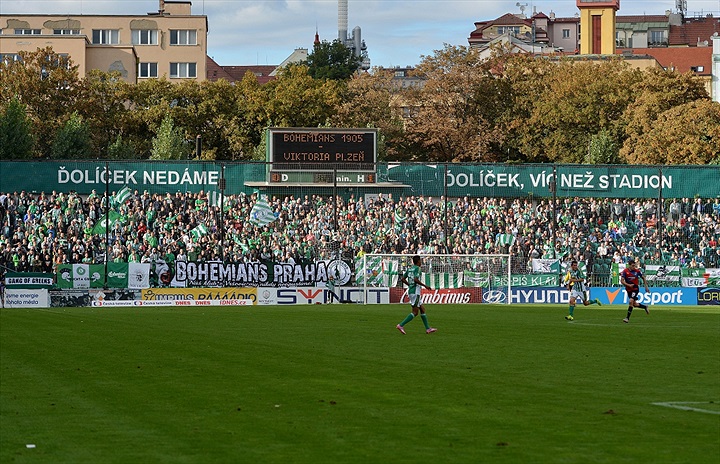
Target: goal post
<point>452,278</point>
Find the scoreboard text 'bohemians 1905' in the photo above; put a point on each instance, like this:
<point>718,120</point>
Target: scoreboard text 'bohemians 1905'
<point>313,149</point>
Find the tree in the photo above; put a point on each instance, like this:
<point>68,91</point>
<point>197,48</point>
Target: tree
<point>295,99</point>
<point>454,115</point>
<point>602,149</point>
<point>72,141</point>
<point>658,91</point>
<point>562,103</point>
<point>48,84</point>
<point>16,141</point>
<point>332,60</point>
<point>169,144</point>
<point>103,106</point>
<point>373,100</point>
<point>121,149</point>
<point>684,134</point>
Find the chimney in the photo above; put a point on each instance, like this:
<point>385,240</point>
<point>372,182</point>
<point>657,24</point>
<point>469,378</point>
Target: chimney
<point>343,20</point>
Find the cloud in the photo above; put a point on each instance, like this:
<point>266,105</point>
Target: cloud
<point>397,32</point>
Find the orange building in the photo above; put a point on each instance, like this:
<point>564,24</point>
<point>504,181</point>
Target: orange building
<point>171,42</point>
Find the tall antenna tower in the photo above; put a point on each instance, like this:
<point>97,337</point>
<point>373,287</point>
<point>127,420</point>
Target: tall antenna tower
<point>681,6</point>
<point>342,20</point>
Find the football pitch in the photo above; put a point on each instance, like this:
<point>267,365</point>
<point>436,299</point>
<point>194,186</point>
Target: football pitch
<point>338,383</point>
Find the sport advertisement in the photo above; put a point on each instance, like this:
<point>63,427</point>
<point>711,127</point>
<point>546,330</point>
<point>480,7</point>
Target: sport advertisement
<point>666,296</point>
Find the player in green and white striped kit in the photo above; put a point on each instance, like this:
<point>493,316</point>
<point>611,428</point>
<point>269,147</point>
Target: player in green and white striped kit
<point>412,279</point>
<point>575,280</point>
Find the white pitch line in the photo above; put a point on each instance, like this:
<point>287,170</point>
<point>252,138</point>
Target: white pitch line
<point>679,405</point>
<point>620,323</point>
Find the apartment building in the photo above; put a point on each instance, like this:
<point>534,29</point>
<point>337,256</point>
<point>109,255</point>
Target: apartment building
<point>171,42</point>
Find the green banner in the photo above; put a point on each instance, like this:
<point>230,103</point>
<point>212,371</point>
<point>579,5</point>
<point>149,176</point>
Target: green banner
<point>480,279</point>
<point>473,180</point>
<point>527,280</point>
<point>117,276</point>
<point>28,280</point>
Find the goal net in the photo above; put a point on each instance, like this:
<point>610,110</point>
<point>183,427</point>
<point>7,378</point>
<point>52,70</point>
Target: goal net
<point>451,278</point>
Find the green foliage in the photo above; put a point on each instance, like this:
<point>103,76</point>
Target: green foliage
<point>121,149</point>
<point>49,85</point>
<point>332,60</point>
<point>498,107</point>
<point>169,143</point>
<point>602,149</point>
<point>684,134</point>
<point>72,141</point>
<point>16,141</point>
<point>295,99</point>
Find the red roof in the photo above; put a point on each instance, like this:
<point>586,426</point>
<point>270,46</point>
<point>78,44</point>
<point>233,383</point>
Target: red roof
<point>261,72</point>
<point>236,73</point>
<point>682,59</point>
<point>216,72</point>
<point>694,31</point>
<point>642,19</point>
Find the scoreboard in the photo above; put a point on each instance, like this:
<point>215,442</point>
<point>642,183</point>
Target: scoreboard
<point>317,150</point>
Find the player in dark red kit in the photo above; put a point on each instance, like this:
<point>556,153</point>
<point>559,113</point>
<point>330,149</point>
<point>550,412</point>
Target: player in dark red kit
<point>630,278</point>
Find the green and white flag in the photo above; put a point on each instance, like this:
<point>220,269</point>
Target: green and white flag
<point>261,213</point>
<point>504,239</point>
<point>475,279</point>
<point>400,218</point>
<point>122,196</point>
<point>215,199</point>
<point>106,221</point>
<point>442,280</point>
<point>661,275</point>
<point>378,273</point>
<point>73,276</point>
<point>198,232</point>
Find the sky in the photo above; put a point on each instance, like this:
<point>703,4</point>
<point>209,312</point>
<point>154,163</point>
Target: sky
<point>396,32</point>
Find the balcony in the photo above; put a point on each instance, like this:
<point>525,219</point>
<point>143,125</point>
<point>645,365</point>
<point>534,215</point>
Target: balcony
<point>615,4</point>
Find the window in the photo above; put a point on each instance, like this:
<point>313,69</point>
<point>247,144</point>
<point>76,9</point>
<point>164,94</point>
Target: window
<point>566,33</point>
<point>105,36</point>
<point>66,31</point>
<point>27,31</point>
<point>183,37</point>
<point>511,29</point>
<point>9,57</point>
<point>697,69</point>
<point>180,70</point>
<point>144,37</point>
<point>147,70</point>
<point>657,38</point>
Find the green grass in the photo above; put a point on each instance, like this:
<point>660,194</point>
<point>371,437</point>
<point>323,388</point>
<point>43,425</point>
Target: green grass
<point>513,384</point>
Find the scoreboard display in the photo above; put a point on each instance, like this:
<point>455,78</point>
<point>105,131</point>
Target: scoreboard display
<point>322,149</point>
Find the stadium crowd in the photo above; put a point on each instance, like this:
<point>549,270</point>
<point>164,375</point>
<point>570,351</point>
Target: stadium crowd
<point>40,231</point>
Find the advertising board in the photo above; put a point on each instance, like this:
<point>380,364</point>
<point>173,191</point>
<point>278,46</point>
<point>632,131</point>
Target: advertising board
<point>670,296</point>
<point>708,296</point>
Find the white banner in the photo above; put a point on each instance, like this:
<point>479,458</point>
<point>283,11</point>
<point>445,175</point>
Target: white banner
<point>17,298</point>
<point>693,282</point>
<point>81,276</point>
<point>126,303</point>
<point>138,275</point>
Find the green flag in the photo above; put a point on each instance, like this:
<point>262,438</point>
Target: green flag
<point>108,220</point>
<point>122,196</point>
<point>261,213</point>
<point>399,218</point>
<point>198,232</point>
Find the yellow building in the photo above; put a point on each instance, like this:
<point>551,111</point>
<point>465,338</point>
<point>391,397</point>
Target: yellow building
<point>597,26</point>
<point>170,43</point>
